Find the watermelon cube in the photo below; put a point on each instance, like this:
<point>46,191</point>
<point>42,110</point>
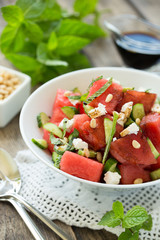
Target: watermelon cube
<point>147,99</point>
<point>114,89</point>
<point>60,101</point>
<point>81,167</point>
<point>150,125</point>
<point>46,136</point>
<point>124,151</point>
<point>94,136</point>
<point>131,172</point>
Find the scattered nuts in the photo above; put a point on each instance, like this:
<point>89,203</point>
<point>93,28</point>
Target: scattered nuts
<point>109,98</point>
<point>138,181</point>
<point>86,152</point>
<point>93,123</point>
<point>124,132</point>
<point>138,121</point>
<point>136,144</point>
<point>99,156</point>
<point>8,83</point>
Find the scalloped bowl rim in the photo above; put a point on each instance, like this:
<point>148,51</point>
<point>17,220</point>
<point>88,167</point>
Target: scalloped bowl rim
<point>94,72</point>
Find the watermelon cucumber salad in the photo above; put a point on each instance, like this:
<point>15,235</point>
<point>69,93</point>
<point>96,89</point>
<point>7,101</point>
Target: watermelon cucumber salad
<point>110,134</point>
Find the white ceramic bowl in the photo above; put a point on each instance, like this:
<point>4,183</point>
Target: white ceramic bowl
<point>11,105</point>
<point>42,101</point>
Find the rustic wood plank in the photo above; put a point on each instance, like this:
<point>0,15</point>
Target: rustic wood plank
<point>148,8</point>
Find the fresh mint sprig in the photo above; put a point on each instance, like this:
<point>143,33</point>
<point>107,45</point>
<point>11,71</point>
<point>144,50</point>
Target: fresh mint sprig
<point>44,40</point>
<point>135,219</point>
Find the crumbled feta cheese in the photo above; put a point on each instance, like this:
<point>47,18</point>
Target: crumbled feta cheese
<point>156,108</point>
<point>126,106</point>
<point>114,139</point>
<point>125,113</point>
<point>69,124</point>
<point>97,112</point>
<point>131,129</point>
<point>112,177</point>
<point>78,143</point>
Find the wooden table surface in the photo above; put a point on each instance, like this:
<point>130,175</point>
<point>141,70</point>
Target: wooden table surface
<point>101,53</point>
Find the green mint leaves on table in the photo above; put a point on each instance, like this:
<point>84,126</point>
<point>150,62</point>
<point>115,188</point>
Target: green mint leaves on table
<point>44,40</point>
<point>135,219</point>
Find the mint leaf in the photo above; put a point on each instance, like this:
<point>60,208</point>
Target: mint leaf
<point>31,8</point>
<point>77,61</point>
<point>42,57</point>
<point>67,45</point>
<point>12,14</point>
<point>23,63</point>
<point>110,220</point>
<point>51,12</point>
<point>118,209</point>
<point>33,31</point>
<point>52,42</point>
<point>128,235</point>
<point>134,217</point>
<point>147,225</point>
<point>7,38</point>
<point>85,7</point>
<point>78,28</point>
<point>19,40</point>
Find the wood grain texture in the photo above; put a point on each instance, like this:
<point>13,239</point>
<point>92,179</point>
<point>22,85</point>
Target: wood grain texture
<point>101,53</point>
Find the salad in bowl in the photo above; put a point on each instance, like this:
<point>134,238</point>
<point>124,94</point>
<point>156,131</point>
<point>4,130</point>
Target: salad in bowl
<point>97,126</point>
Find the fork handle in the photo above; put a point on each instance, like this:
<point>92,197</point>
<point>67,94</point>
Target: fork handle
<point>27,219</point>
<point>42,217</point>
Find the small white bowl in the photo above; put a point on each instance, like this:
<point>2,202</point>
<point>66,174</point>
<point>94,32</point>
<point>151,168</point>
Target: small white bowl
<point>11,105</point>
<point>42,101</point>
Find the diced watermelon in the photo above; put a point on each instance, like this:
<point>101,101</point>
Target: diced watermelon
<point>114,89</point>
<point>150,125</point>
<point>94,136</point>
<point>61,101</point>
<point>123,150</point>
<point>157,165</point>
<point>81,167</point>
<point>147,99</point>
<point>131,172</point>
<point>46,136</point>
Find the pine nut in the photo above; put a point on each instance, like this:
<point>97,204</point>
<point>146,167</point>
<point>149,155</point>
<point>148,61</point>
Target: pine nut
<point>136,144</point>
<point>93,123</point>
<point>109,98</point>
<point>124,132</point>
<point>138,181</point>
<point>8,83</point>
<point>138,121</point>
<point>86,152</point>
<point>67,93</point>
<point>99,156</point>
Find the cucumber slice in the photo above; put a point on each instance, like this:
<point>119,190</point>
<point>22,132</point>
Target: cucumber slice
<point>87,108</point>
<point>41,143</point>
<point>56,158</point>
<point>53,128</point>
<point>113,130</point>
<point>138,111</point>
<point>153,149</point>
<point>129,121</point>
<point>42,118</point>
<point>110,165</point>
<point>69,111</point>
<point>92,154</point>
<point>107,128</point>
<point>155,174</point>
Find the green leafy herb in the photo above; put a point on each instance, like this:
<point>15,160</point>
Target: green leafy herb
<point>99,92</point>
<point>135,219</point>
<point>44,40</point>
<point>94,80</point>
<point>54,140</point>
<point>148,90</point>
<point>76,97</point>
